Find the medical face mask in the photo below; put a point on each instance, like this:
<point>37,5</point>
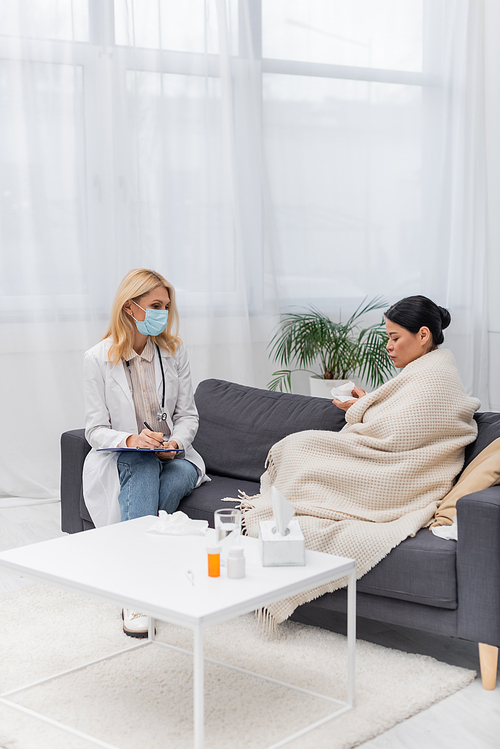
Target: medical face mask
<point>154,323</point>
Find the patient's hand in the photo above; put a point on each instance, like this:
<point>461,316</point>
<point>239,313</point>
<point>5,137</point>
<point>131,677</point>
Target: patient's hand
<point>356,392</point>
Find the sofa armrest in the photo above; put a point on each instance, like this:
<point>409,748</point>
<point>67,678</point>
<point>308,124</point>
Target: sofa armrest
<point>74,449</point>
<point>478,566</point>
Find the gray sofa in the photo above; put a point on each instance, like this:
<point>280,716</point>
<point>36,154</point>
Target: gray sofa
<point>442,587</point>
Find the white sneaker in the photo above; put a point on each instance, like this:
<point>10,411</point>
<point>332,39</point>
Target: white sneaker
<point>134,623</point>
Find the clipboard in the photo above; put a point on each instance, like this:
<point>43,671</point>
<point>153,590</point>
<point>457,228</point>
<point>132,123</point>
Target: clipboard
<point>139,449</point>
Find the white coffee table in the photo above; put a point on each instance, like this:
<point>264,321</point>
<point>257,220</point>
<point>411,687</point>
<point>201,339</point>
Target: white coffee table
<point>123,564</point>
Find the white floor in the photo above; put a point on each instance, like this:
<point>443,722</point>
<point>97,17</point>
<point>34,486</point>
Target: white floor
<point>469,719</point>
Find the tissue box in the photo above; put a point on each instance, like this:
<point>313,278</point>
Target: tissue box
<point>281,551</point>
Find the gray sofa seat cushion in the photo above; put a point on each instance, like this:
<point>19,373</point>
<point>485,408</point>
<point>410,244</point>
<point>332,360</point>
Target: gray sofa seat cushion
<point>421,570</point>
<point>203,501</point>
<point>239,425</point>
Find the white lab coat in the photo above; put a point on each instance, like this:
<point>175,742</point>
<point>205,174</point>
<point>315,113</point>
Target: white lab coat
<point>110,417</point>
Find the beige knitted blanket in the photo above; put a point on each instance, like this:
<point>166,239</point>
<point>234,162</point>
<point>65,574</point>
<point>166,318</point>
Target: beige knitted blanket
<point>359,492</point>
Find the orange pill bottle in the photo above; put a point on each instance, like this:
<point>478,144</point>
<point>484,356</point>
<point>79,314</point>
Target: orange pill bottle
<point>213,553</point>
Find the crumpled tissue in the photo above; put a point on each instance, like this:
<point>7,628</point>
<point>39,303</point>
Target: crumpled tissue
<point>343,392</point>
<point>177,524</point>
<point>448,532</point>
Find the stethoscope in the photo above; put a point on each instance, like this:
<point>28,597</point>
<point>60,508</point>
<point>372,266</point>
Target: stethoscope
<point>161,415</point>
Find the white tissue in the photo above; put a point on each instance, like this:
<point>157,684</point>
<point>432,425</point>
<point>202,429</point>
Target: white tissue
<point>283,511</point>
<point>448,532</point>
<point>178,524</point>
<point>344,392</point>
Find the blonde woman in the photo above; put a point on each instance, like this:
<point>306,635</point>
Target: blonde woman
<point>139,374</point>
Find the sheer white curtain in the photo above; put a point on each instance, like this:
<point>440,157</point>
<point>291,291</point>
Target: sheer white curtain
<point>258,154</point>
<point>375,144</point>
<point>455,205</point>
<point>117,152</point>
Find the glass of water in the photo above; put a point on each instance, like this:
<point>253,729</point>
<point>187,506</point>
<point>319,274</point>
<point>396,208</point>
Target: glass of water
<point>227,530</point>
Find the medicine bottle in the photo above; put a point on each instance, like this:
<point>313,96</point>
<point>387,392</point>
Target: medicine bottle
<point>235,562</point>
<point>213,552</point>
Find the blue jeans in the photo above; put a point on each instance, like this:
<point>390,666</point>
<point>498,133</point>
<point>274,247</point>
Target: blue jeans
<point>148,484</point>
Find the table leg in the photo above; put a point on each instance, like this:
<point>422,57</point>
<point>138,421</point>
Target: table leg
<point>199,717</point>
<point>151,628</point>
<point>351,636</point>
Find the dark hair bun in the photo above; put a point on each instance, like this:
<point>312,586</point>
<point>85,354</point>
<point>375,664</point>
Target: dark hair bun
<point>415,312</point>
<point>445,317</point>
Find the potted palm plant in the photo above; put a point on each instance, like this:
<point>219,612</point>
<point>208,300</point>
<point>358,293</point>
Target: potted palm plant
<point>341,349</point>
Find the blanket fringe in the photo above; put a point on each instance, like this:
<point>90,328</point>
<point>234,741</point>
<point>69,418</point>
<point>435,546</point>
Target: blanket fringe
<point>244,498</point>
<point>245,503</point>
<point>268,622</point>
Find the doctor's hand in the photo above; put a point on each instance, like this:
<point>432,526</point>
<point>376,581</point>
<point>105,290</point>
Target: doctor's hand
<point>169,456</point>
<point>356,392</point>
<point>146,438</point>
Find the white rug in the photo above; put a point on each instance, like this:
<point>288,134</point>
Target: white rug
<point>144,698</point>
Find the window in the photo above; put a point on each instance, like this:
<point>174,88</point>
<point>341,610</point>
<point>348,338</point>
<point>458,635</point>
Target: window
<point>344,92</point>
<point>119,140</point>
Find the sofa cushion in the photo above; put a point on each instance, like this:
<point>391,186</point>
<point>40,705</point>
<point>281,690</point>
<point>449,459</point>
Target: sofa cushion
<point>488,429</point>
<point>203,501</point>
<point>481,473</point>
<point>239,424</point>
<point>421,569</point>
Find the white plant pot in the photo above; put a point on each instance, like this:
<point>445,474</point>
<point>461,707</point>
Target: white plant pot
<point>321,388</point>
